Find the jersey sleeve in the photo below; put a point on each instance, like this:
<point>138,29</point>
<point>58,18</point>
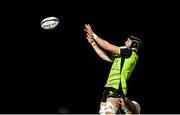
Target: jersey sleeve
<point>125,52</point>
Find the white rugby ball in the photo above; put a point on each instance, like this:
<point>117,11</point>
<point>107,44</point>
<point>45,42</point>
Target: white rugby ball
<point>49,23</point>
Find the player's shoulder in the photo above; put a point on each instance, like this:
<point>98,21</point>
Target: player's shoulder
<point>125,51</point>
<point>123,47</point>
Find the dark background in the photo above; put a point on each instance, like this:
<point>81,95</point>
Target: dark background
<point>57,71</point>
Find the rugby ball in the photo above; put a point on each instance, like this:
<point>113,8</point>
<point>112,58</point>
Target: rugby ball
<point>49,23</point>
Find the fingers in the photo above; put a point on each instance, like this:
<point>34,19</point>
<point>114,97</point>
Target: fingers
<point>87,26</point>
<point>85,30</point>
<point>89,32</point>
<point>90,36</point>
<point>87,37</point>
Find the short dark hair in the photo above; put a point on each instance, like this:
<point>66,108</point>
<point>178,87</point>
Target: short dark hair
<point>136,42</point>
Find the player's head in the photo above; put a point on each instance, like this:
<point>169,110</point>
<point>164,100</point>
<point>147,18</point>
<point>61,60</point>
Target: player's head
<point>138,107</point>
<point>136,42</point>
<point>133,42</point>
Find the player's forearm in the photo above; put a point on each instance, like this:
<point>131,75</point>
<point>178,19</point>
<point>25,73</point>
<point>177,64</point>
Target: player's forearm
<point>100,52</point>
<point>102,43</point>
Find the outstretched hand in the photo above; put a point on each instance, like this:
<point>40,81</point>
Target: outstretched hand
<point>89,33</point>
<point>88,29</point>
<point>89,38</point>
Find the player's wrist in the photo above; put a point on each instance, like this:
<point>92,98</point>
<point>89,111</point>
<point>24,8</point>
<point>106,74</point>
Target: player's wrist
<point>93,43</point>
<point>94,35</point>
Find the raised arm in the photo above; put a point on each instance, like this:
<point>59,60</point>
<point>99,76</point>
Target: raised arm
<point>99,51</point>
<point>101,42</point>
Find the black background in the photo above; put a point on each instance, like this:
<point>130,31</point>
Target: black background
<point>43,71</point>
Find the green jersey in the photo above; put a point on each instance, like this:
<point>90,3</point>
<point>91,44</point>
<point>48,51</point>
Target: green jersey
<point>121,69</point>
